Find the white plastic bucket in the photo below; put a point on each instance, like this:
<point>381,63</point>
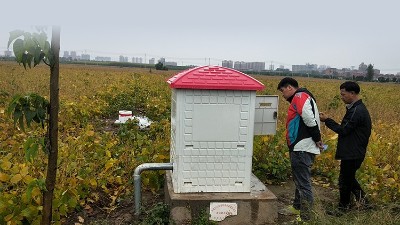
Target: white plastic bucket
<point>124,116</point>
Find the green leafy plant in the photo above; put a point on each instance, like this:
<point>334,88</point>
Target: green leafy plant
<point>203,219</point>
<point>271,159</point>
<point>31,47</point>
<point>32,107</point>
<point>28,48</point>
<point>157,215</point>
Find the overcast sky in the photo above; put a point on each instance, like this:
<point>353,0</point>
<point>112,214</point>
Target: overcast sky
<point>341,33</point>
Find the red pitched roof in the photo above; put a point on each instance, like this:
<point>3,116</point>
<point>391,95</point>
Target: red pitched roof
<point>214,77</point>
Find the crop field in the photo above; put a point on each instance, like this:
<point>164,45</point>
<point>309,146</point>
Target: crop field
<point>97,158</point>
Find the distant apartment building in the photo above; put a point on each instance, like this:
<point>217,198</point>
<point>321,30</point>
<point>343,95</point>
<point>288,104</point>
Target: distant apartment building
<point>137,60</point>
<point>363,67</point>
<point>227,63</point>
<point>358,73</point>
<point>249,66</point>
<point>152,61</point>
<point>331,72</point>
<point>239,65</point>
<point>323,67</point>
<point>162,60</point>
<point>66,54</point>
<point>377,73</point>
<point>85,57</point>
<point>257,66</point>
<point>73,55</point>
<point>102,59</point>
<point>123,58</point>
<point>304,68</point>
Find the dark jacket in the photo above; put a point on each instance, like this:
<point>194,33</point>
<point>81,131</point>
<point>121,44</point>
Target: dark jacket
<point>354,132</point>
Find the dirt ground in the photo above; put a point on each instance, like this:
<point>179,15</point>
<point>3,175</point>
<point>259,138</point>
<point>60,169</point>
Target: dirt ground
<point>323,195</point>
<point>123,213</point>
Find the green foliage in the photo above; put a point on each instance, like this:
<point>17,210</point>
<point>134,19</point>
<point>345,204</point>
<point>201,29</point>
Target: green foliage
<point>160,66</point>
<point>326,161</point>
<point>203,219</point>
<point>30,48</point>
<point>143,95</point>
<point>157,215</point>
<point>147,146</point>
<point>31,147</point>
<point>32,107</point>
<point>334,104</point>
<point>385,79</point>
<point>270,158</point>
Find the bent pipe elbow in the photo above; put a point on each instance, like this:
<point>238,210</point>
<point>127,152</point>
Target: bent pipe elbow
<point>137,179</point>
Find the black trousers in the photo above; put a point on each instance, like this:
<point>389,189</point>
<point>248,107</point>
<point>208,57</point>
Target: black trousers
<point>348,183</point>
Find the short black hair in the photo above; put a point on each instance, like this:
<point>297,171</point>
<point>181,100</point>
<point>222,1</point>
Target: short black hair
<point>350,86</point>
<point>288,81</point>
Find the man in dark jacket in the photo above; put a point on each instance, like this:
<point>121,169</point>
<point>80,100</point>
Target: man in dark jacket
<point>354,132</point>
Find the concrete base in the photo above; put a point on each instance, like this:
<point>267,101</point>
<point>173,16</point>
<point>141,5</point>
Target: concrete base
<point>257,207</point>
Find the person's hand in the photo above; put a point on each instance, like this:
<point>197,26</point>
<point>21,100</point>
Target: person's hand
<point>320,145</point>
<point>323,116</point>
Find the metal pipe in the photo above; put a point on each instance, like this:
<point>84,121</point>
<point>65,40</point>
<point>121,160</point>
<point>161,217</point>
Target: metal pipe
<point>137,179</point>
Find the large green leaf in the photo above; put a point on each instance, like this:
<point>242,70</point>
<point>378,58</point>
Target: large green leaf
<point>46,48</point>
<point>31,106</point>
<point>40,39</point>
<point>24,59</point>
<point>30,45</point>
<point>18,48</point>
<point>13,104</point>
<point>29,60</point>
<point>21,122</point>
<point>37,56</point>
<point>17,115</point>
<point>27,36</point>
<point>14,35</point>
<point>42,55</point>
<point>40,183</point>
<point>31,149</point>
<point>47,52</point>
<point>29,115</point>
<point>41,113</point>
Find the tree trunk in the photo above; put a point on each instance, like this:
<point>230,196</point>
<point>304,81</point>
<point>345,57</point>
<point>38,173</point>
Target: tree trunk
<point>53,129</point>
